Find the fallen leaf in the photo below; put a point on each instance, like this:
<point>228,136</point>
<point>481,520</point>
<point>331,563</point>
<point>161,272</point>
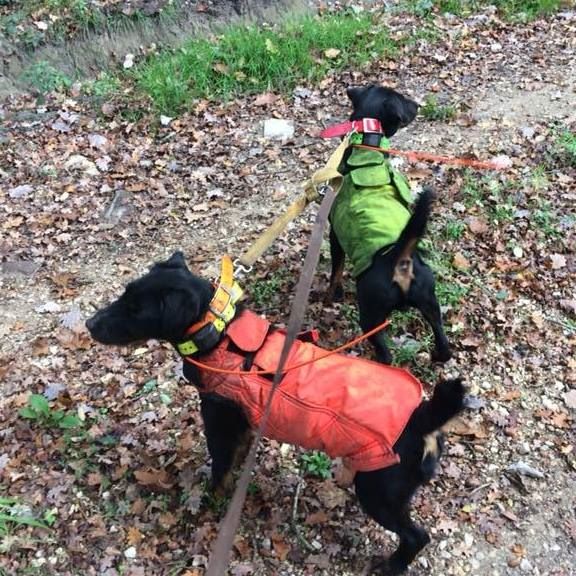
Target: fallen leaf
<point>471,341</point>
<point>477,225</point>
<point>332,53</point>
<point>281,547</point>
<point>153,478</point>
<point>461,427</point>
<point>134,536</point>
<point>330,495</point>
<point>558,261</point>
<point>570,399</point>
<point>221,68</point>
<point>460,261</point>
<point>265,99</point>
<point>319,517</point>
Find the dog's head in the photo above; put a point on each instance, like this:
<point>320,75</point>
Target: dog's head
<point>392,109</point>
<point>161,305</point>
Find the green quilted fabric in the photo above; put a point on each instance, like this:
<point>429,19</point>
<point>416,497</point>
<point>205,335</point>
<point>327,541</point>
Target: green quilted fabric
<point>372,207</point>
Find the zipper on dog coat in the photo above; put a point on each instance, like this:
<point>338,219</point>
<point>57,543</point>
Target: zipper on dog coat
<point>347,407</point>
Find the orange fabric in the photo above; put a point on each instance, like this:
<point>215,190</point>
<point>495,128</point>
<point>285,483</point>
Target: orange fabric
<point>347,407</point>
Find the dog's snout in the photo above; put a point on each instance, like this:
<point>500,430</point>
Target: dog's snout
<point>91,323</point>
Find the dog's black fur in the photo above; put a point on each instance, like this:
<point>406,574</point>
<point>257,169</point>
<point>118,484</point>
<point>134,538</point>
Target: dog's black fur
<point>378,292</point>
<point>166,301</point>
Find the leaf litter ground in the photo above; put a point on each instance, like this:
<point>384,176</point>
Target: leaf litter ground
<point>89,201</point>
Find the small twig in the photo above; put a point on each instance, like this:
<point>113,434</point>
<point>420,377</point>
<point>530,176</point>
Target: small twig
<point>294,521</point>
<point>478,488</point>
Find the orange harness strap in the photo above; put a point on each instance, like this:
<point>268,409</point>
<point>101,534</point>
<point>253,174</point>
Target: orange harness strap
<point>353,342</point>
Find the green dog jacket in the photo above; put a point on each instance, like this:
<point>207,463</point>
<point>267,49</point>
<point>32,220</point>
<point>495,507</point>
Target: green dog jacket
<point>372,206</point>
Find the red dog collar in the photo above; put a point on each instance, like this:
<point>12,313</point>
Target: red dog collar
<point>364,126</point>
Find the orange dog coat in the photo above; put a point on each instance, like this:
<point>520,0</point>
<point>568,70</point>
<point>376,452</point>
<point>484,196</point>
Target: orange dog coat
<point>348,407</point>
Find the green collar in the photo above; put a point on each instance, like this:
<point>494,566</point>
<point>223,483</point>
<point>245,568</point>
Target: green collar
<point>356,139</point>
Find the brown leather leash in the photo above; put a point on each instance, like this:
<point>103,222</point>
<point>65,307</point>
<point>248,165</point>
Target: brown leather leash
<point>221,552</point>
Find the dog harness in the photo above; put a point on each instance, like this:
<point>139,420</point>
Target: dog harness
<point>372,206</point>
<point>347,407</point>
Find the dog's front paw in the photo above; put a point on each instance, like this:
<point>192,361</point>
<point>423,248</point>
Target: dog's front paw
<point>334,294</point>
<point>442,355</point>
<point>224,486</point>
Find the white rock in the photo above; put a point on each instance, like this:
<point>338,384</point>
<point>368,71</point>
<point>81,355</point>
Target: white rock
<point>20,191</point>
<point>130,553</point>
<point>277,128</point>
<point>48,307</point>
<point>128,61</point>
<point>97,141</point>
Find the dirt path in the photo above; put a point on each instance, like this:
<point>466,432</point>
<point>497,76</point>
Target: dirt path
<point>207,184</point>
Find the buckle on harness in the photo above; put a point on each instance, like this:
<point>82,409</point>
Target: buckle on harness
<point>206,333</point>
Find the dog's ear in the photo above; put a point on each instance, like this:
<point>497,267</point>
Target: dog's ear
<point>407,110</point>
<point>177,260</point>
<point>355,93</point>
<point>396,112</point>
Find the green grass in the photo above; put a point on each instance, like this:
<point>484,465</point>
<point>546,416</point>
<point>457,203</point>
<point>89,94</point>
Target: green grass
<point>62,19</point>
<point>564,148</point>
<point>264,291</point>
<point>545,219</point>
<point>433,110</point>
<point>13,514</point>
<point>104,86</point>
<point>45,78</point>
<point>453,229</point>
<point>472,190</point>
<point>509,9</point>
<point>38,410</point>
<point>316,464</point>
<point>250,59</point>
<point>451,293</point>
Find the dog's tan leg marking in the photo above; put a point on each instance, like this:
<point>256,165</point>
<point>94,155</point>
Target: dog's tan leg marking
<point>431,446</point>
<point>404,269</point>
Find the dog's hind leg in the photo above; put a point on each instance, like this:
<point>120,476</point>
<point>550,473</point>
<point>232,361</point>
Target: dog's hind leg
<point>377,298</point>
<point>335,290</point>
<point>431,311</point>
<point>385,496</point>
<point>383,354</point>
<point>423,297</point>
<point>412,539</point>
<point>227,432</point>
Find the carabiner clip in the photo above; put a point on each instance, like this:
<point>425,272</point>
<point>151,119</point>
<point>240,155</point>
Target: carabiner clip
<point>240,269</point>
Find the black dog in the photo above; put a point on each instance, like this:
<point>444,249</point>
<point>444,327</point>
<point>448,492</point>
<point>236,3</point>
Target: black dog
<point>164,303</point>
<point>371,223</point>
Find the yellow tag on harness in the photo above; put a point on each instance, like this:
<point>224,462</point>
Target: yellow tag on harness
<point>220,313</point>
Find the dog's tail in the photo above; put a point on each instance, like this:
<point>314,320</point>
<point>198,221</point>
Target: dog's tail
<point>402,251</point>
<point>446,403</point>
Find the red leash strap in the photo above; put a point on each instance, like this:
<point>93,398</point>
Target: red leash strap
<point>413,156</point>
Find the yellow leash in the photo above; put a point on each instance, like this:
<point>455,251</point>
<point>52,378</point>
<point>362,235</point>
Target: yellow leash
<point>328,174</point>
